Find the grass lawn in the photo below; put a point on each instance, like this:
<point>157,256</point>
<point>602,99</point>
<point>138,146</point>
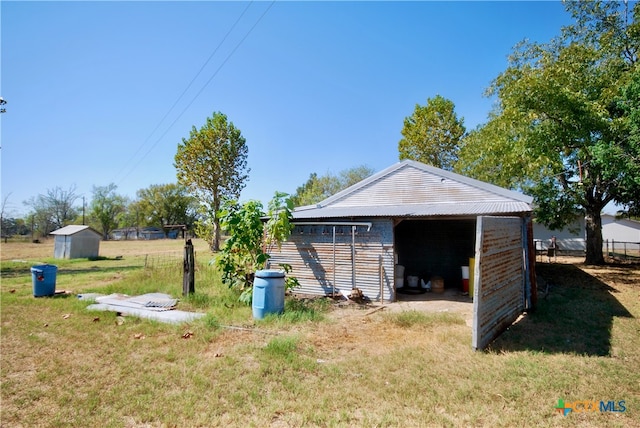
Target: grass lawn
<point>317,365</point>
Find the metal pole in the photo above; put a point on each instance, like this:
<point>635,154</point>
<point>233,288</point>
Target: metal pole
<point>333,293</point>
<point>381,269</point>
<point>353,257</point>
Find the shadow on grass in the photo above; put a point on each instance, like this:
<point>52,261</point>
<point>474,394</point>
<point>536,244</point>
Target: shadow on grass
<point>575,315</point>
<point>13,272</point>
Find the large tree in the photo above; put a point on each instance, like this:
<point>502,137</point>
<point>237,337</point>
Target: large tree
<point>317,188</point>
<point>558,130</point>
<point>166,204</point>
<point>432,134</point>
<point>52,210</point>
<point>629,103</point>
<point>106,208</point>
<point>212,163</point>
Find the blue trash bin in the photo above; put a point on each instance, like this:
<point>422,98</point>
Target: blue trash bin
<point>268,293</point>
<point>44,280</point>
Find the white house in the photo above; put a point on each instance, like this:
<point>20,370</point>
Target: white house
<point>570,239</point>
<point>618,233</point>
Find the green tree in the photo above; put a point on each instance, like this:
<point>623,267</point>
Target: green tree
<point>106,208</point>
<point>250,240</point>
<point>166,204</point>
<point>316,188</point>
<point>212,163</point>
<point>432,134</point>
<point>558,131</point>
<point>629,103</point>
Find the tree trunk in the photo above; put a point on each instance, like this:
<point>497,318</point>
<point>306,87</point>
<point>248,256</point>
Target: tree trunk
<point>215,245</point>
<point>593,225</point>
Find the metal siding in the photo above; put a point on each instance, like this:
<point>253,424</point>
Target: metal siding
<point>59,246</point>
<point>309,251</point>
<point>499,288</point>
<point>84,244</point>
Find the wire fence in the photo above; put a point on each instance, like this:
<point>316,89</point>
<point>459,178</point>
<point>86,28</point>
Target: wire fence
<point>162,261</point>
<point>621,249</point>
<point>618,250</point>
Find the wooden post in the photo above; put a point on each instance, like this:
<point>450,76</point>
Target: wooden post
<point>188,278</point>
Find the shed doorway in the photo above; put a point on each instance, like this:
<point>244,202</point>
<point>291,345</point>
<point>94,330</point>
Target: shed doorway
<point>433,248</point>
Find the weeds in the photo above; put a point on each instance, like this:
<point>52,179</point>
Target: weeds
<point>407,319</point>
<point>65,366</point>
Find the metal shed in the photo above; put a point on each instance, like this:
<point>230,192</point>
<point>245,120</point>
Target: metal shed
<point>74,242</point>
<point>431,222</point>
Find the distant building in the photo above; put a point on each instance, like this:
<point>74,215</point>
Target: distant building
<point>145,233</point>
<point>618,232</point>
<point>75,242</point>
<point>571,239</point>
<point>125,234</point>
<point>149,233</point>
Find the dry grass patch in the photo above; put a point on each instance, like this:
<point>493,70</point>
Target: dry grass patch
<point>319,365</point>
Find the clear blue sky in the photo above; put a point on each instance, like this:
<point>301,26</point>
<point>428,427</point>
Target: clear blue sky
<point>93,88</point>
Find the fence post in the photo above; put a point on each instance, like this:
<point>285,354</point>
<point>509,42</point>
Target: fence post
<point>188,277</point>
<point>613,248</point>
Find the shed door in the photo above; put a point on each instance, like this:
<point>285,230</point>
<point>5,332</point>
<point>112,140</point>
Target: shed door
<point>61,246</point>
<point>500,285</point>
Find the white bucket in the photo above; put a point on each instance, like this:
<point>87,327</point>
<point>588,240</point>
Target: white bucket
<point>413,281</point>
<point>399,271</point>
<point>399,282</point>
<point>465,272</point>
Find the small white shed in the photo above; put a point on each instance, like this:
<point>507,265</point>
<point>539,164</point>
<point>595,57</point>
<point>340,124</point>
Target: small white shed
<point>74,242</point>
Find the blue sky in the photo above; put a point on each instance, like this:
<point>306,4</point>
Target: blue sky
<point>103,92</point>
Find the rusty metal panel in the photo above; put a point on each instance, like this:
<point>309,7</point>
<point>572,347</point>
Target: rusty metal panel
<point>322,266</point>
<point>500,277</point>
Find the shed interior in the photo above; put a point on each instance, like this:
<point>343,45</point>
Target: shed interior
<point>428,248</point>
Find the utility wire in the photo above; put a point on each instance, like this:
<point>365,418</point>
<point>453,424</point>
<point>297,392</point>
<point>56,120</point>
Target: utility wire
<point>134,167</point>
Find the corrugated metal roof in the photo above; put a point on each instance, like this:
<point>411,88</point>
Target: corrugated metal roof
<point>72,229</point>
<point>413,189</point>
<point>415,210</point>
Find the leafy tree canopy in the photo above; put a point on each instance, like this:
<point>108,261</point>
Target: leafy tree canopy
<point>561,128</point>
<point>106,208</point>
<point>166,204</point>
<point>318,188</point>
<point>251,241</point>
<point>432,134</point>
<point>212,163</point>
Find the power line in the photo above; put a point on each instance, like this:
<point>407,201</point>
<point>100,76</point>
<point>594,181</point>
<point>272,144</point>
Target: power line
<point>134,167</point>
<point>124,167</point>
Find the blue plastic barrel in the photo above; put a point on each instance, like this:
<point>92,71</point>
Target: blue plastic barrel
<point>44,280</point>
<point>268,293</point>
